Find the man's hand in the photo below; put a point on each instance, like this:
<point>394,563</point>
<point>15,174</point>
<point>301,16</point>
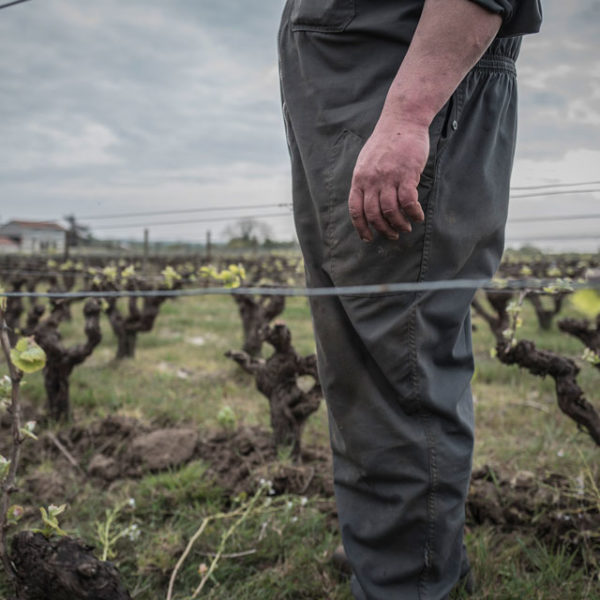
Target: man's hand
<point>384,185</point>
<point>450,38</point>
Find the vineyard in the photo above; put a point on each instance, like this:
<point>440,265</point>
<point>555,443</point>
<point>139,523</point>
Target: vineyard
<point>160,442</point>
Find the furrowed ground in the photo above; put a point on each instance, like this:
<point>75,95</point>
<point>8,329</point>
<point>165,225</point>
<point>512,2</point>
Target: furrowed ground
<point>181,378</point>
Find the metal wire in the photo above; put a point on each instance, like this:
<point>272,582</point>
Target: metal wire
<point>561,193</point>
<point>187,210</point>
<point>209,220</point>
<point>553,185</point>
<point>352,290</point>
<point>555,218</point>
<point>12,3</point>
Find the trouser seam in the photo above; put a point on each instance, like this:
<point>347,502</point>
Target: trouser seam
<point>431,506</point>
<point>424,416</point>
<point>328,234</point>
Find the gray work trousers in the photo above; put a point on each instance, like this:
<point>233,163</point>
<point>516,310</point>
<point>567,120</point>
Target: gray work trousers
<point>396,369</point>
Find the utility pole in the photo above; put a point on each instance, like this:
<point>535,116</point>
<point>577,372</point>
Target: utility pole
<point>208,246</point>
<point>67,246</point>
<point>146,252</point>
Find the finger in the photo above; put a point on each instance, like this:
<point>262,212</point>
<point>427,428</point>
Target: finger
<point>357,214</point>
<point>390,209</point>
<point>408,199</point>
<point>372,210</point>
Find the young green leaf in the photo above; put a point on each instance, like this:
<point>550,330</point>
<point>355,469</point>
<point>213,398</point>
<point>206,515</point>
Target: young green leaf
<point>587,302</point>
<point>28,356</point>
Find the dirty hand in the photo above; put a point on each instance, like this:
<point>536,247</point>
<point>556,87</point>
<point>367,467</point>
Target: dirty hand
<point>384,184</point>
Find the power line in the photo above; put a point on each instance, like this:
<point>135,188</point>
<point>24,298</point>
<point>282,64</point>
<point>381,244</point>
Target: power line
<point>12,3</point>
<point>557,238</point>
<point>276,215</point>
<point>561,193</point>
<point>187,210</point>
<point>555,218</point>
<point>211,220</point>
<point>287,204</point>
<point>263,206</point>
<point>553,185</point>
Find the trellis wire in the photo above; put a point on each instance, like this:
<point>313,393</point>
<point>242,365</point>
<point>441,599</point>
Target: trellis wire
<point>352,290</point>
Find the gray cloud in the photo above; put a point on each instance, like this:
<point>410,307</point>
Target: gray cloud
<point>123,106</point>
<point>559,77</point>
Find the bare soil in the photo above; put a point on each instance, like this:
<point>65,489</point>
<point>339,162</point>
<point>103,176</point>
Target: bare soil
<point>118,447</point>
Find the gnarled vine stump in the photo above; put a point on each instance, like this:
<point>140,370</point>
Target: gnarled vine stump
<point>546,314</point>
<point>256,314</point>
<point>62,569</point>
<point>277,379</point>
<point>14,308</point>
<point>585,331</point>
<point>524,353</point>
<point>140,317</point>
<point>61,361</point>
<point>34,315</point>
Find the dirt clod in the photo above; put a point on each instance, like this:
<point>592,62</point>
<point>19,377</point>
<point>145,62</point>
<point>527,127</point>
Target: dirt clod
<point>62,570</point>
<point>547,506</point>
<point>163,448</point>
<point>103,467</point>
<point>47,486</point>
<point>241,459</point>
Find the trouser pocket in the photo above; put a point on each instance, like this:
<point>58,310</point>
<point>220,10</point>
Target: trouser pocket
<point>350,260</point>
<point>328,16</point>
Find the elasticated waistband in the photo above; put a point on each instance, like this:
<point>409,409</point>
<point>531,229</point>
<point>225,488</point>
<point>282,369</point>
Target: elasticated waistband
<point>496,63</point>
<point>501,55</point>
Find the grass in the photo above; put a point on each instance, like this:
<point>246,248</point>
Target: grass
<point>180,376</point>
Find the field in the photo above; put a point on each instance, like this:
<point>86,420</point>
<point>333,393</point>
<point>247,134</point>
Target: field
<point>180,379</point>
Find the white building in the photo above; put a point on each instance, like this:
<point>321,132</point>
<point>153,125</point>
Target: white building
<point>35,236</point>
<point>8,246</point>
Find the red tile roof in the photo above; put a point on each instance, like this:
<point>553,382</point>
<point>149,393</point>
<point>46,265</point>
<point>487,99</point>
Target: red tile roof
<point>38,225</point>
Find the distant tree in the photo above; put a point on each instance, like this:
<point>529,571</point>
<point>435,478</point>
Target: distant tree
<point>248,232</point>
<point>77,233</point>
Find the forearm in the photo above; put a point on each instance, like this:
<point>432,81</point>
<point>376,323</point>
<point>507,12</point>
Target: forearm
<point>451,37</point>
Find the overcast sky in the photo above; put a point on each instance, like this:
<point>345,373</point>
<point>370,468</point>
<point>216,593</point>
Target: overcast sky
<point>121,106</point>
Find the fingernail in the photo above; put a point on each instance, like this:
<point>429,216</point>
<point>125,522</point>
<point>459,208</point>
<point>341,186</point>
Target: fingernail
<point>365,239</point>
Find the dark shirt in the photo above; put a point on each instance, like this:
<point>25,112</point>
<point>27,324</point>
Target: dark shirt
<point>396,18</point>
<point>519,17</point>
<point>343,53</point>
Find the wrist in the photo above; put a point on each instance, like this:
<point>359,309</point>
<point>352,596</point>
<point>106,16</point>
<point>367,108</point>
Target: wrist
<point>410,107</point>
<point>403,115</point>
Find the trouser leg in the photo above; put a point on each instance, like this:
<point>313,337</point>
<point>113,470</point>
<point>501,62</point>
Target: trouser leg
<point>396,369</point>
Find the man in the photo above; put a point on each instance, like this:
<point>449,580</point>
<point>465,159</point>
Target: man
<point>401,119</point>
